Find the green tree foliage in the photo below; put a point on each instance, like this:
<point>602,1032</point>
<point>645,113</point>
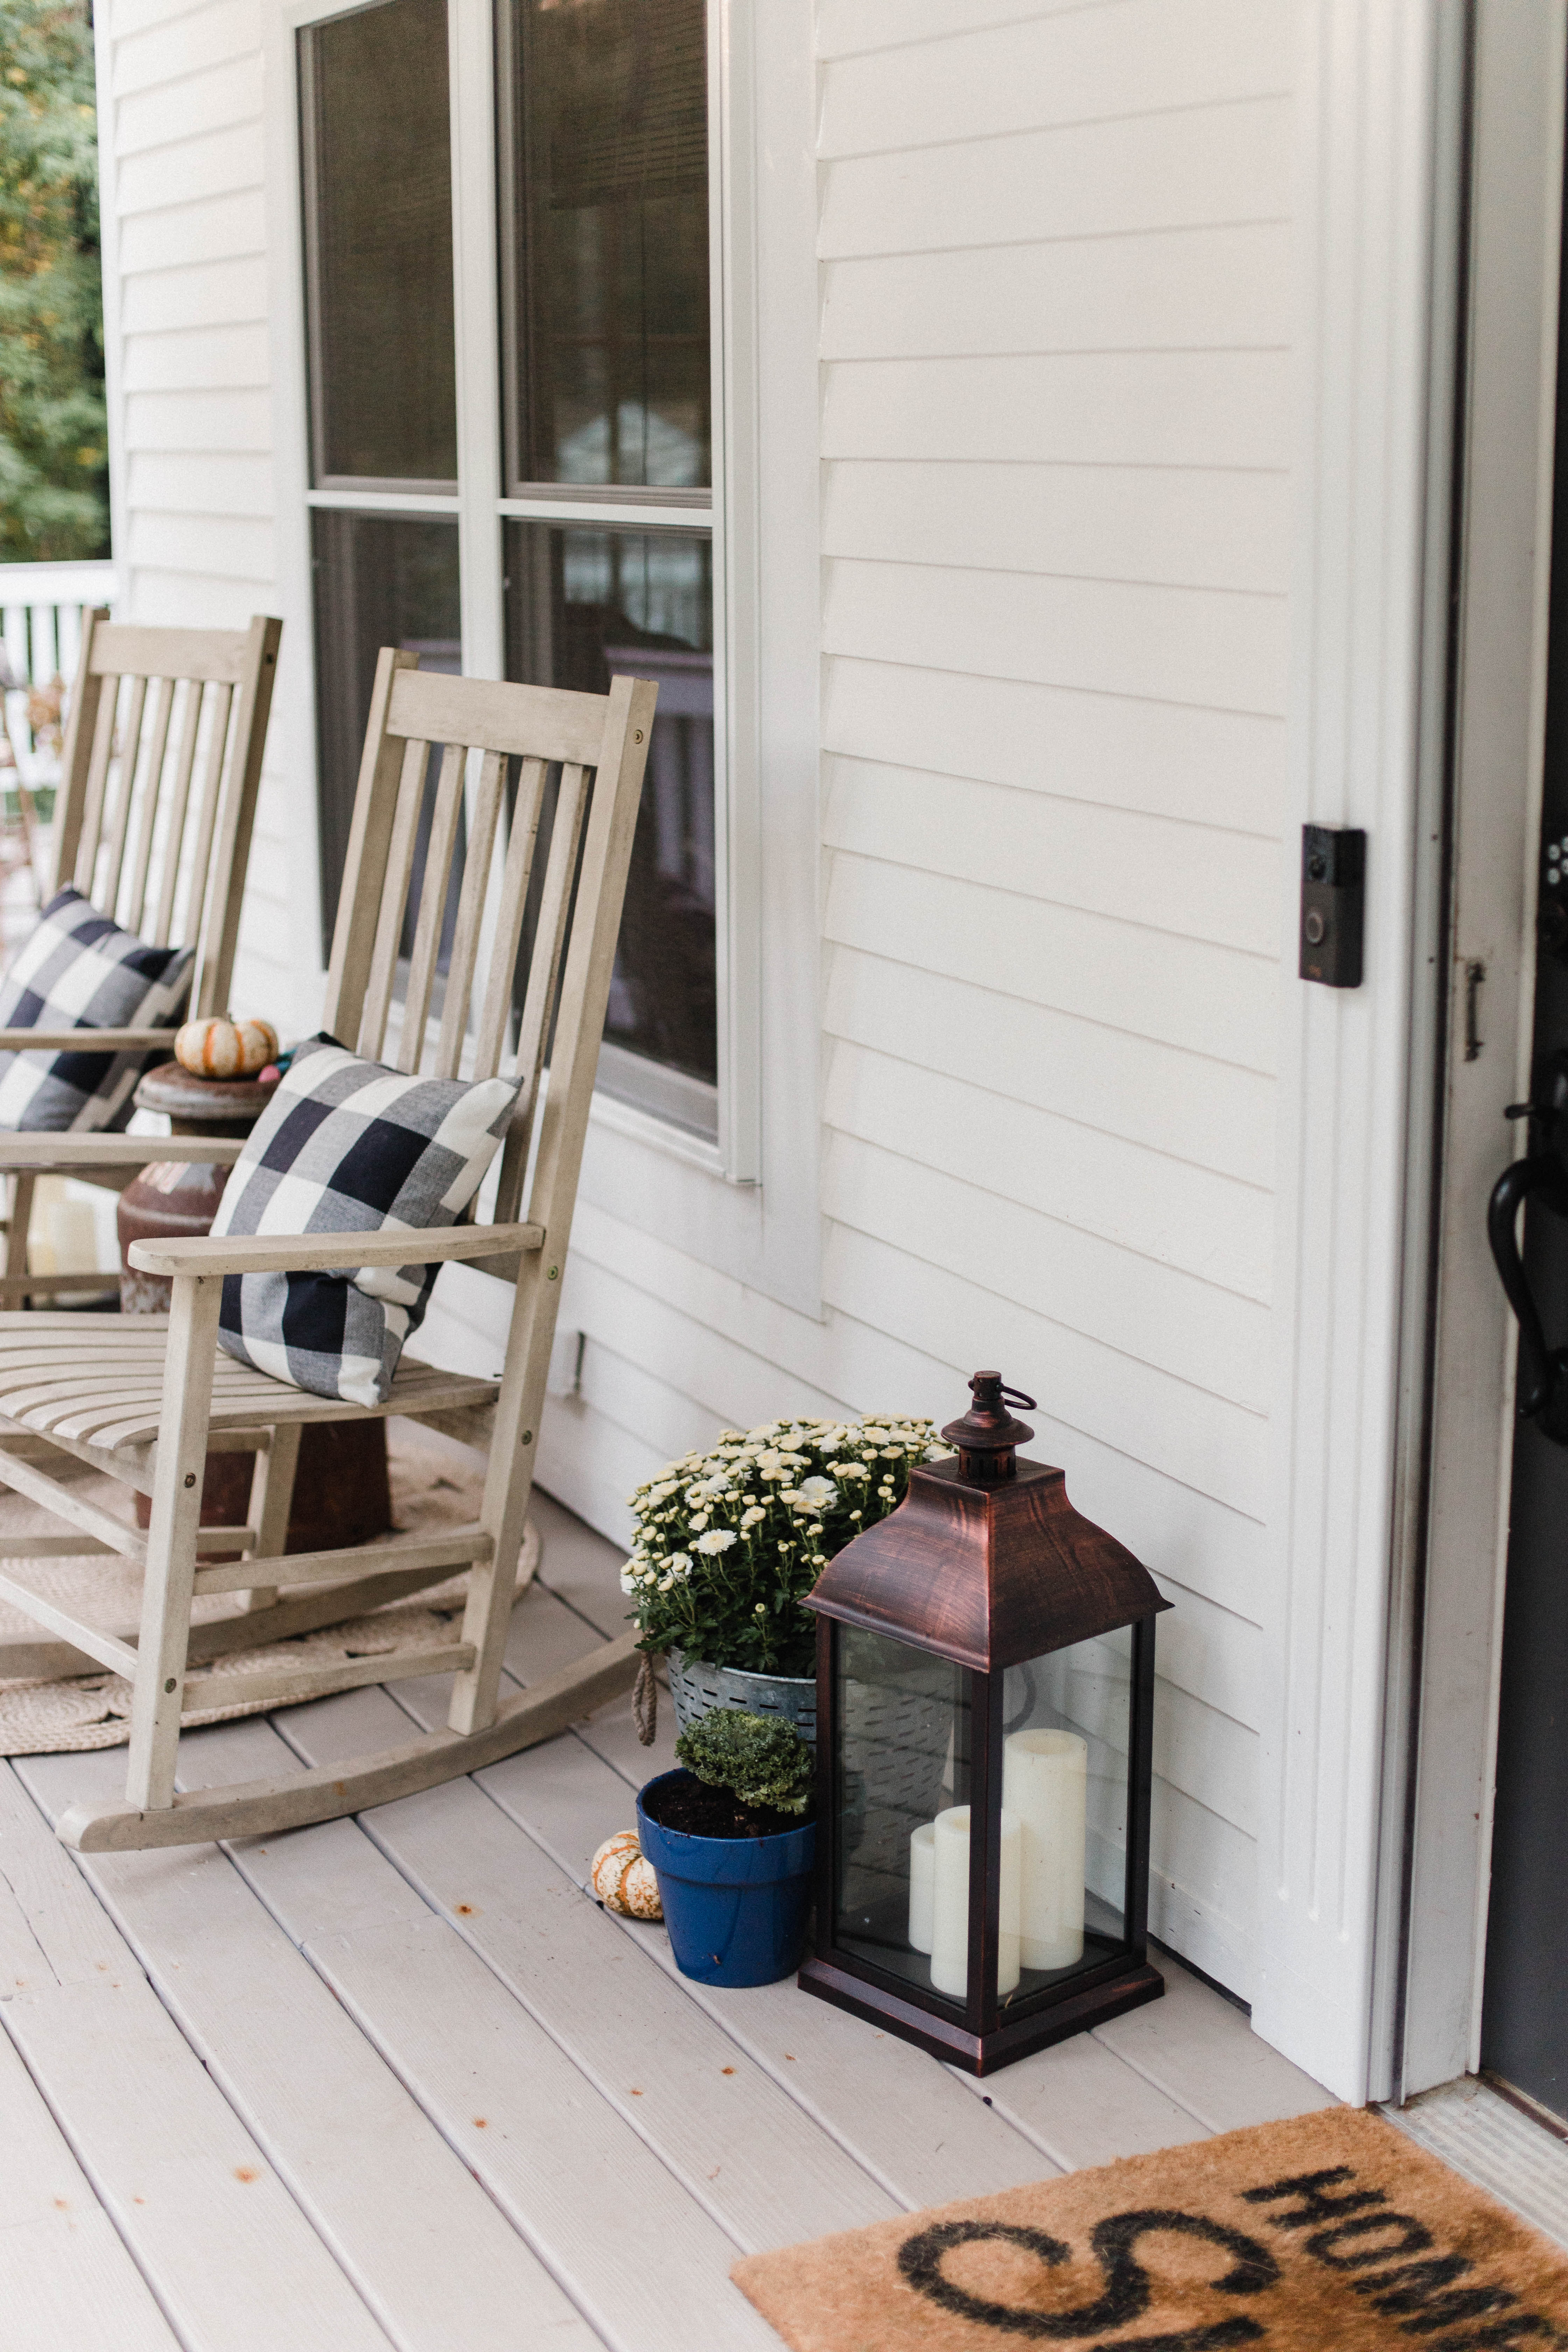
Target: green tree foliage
<point>54,475</point>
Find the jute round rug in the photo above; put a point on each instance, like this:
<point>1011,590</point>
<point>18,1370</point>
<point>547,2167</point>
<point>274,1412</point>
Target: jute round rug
<point>1332,2232</point>
<point>435,1484</point>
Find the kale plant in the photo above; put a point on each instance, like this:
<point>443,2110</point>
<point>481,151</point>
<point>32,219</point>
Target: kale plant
<point>761,1760</point>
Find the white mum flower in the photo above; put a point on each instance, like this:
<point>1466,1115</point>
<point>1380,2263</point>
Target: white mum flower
<point>630,1580</point>
<point>679,1567</point>
<point>939,1453</point>
<point>749,1518</point>
<point>817,1491</point>
<point>716,1540</point>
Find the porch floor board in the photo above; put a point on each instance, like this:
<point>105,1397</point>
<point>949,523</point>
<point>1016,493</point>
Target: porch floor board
<point>397,2081</point>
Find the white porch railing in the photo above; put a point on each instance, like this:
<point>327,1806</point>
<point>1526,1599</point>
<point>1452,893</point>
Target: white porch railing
<point>40,615</point>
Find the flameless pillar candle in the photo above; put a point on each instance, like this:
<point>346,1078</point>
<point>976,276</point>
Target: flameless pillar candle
<point>1045,1784</point>
<point>922,1886</point>
<point>949,1907</point>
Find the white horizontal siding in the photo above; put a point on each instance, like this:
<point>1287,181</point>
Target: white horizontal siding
<point>158,115</point>
<point>1212,767</point>
<point>1180,290</point>
<point>223,229</point>
<point>1211,1000</point>
<point>202,294</point>
<point>190,43</point>
<point>1210,166</point>
<point>1096,408</point>
<point>1162,1211</point>
<point>183,113</point>
<point>1187,878</point>
<point>1201,1112</point>
<point>1175,526</point>
<point>1132,58</point>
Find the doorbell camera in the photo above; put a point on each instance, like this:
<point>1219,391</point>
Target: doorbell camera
<point>1334,904</point>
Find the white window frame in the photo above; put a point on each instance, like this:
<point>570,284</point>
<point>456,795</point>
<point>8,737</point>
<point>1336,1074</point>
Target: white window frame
<point>747,1204</point>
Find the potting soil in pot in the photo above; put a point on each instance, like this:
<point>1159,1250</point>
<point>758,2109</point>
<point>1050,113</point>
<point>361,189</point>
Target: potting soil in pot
<point>681,1801</point>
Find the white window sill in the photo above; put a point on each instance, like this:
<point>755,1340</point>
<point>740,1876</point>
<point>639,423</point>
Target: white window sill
<point>659,1134</point>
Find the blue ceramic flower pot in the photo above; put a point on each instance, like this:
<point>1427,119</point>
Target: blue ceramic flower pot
<point>736,1908</point>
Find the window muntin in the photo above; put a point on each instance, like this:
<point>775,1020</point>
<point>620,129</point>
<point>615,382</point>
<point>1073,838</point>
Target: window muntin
<point>605,244</point>
<point>376,143</point>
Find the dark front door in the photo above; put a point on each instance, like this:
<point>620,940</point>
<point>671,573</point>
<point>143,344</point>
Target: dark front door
<point>1524,2037</point>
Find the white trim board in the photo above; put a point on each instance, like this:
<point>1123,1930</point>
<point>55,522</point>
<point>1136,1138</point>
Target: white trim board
<point>1381,116</point>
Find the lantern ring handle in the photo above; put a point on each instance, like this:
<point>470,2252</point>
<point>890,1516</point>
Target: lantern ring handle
<point>1017,1396</point>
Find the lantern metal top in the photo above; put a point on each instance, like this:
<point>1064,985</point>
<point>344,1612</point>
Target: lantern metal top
<point>987,1437</point>
<point>989,1570</point>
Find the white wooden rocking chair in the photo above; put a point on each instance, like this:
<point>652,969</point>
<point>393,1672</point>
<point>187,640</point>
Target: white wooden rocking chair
<point>144,1397</point>
<point>151,841</point>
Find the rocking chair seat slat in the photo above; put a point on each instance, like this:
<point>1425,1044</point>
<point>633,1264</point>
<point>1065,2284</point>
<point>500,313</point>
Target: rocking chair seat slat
<point>113,1396</point>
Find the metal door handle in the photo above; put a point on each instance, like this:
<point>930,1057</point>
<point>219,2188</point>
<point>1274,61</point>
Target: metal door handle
<point>1542,1371</point>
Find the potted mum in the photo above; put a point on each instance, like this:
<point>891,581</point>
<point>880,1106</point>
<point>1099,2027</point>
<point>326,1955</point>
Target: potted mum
<point>731,1844</point>
<point>730,1542</point>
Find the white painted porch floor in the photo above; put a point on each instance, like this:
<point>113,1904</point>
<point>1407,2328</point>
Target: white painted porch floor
<point>397,2081</point>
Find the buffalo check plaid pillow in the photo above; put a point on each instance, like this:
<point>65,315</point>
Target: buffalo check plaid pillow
<point>79,970</point>
<point>348,1147</point>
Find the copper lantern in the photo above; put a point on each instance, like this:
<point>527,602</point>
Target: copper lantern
<point>985,1689</point>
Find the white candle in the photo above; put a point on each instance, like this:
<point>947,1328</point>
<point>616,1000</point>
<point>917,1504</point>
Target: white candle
<point>922,1886</point>
<point>1045,1777</point>
<point>950,1908</point>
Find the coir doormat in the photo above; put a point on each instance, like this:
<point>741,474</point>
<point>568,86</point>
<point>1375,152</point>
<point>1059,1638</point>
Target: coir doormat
<point>1330,2234</point>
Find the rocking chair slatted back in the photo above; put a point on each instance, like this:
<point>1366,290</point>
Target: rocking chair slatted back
<point>477,728</point>
<point>149,705</point>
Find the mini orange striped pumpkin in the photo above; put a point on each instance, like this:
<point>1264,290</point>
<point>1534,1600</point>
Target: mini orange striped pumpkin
<point>223,1047</point>
<point>623,1878</point>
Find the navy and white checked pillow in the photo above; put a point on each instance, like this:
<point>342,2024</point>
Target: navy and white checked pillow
<point>79,970</point>
<point>348,1147</point>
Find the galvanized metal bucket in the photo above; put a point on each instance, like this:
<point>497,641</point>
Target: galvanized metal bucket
<point>699,1690</point>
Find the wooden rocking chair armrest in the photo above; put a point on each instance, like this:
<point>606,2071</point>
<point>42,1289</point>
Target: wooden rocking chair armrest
<point>302,1253</point>
<point>40,1152</point>
<point>84,1041</point>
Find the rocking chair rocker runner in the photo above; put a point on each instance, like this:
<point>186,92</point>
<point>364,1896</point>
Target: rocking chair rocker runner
<point>144,1399</point>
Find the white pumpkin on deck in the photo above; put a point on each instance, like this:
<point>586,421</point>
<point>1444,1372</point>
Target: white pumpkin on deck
<point>623,1878</point>
<point>221,1047</point>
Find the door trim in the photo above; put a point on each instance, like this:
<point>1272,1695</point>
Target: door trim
<point>1502,582</point>
<point>1382,139</point>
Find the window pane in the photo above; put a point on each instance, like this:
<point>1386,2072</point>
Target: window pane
<point>585,605</point>
<point>902,1760</point>
<point>1066,1753</point>
<point>377,149</point>
<point>607,273</point>
<point>380,580</point>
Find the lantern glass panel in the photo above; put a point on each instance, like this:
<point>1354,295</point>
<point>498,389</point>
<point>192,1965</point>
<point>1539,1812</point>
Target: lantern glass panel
<point>903,1723</point>
<point>1066,1763</point>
